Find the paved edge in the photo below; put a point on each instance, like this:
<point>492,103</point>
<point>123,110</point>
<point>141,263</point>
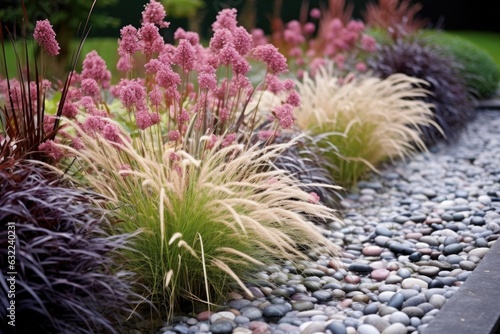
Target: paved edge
<point>475,307</point>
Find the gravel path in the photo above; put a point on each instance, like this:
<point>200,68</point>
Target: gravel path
<point>412,236</point>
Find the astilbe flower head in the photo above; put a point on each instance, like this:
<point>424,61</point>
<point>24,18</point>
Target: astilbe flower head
<point>94,67</point>
<point>207,78</point>
<point>191,36</point>
<point>270,55</point>
<point>128,44</point>
<point>315,13</point>
<point>185,55</point>
<point>154,12</point>
<point>225,19</point>
<point>46,37</point>
<point>50,148</point>
<point>242,41</point>
<point>284,115</point>
<point>152,42</point>
<point>90,87</point>
<point>132,93</point>
<point>258,37</point>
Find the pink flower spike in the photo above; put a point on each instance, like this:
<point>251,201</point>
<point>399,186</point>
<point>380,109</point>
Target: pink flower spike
<point>183,116</point>
<point>185,55</point>
<point>226,18</point>
<point>242,41</point>
<point>207,78</point>
<point>90,87</point>
<point>46,37</point>
<point>173,135</point>
<point>293,99</point>
<point>50,148</point>
<point>129,42</point>
<point>361,67</point>
<point>270,55</point>
<point>154,12</point>
<point>265,135</point>
<point>155,96</point>
<point>69,110</point>
<point>152,42</point>
<point>143,119</point>
<point>258,37</point>
<point>368,43</point>
<point>315,13</point>
<point>94,67</point>
<point>228,139</point>
<point>284,114</point>
<point>309,28</point>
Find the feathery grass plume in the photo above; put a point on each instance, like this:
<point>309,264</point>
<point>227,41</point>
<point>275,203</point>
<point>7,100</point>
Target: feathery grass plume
<point>67,279</point>
<point>481,74</point>
<point>368,120</point>
<point>453,106</point>
<point>243,213</point>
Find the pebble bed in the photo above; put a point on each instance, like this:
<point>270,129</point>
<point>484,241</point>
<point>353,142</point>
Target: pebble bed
<point>411,238</point>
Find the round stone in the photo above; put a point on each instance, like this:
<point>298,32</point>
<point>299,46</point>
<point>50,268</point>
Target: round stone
<point>360,268</point>
<point>396,301</point>
<point>322,295</point>
<point>393,279</point>
<point>415,256</point>
<point>302,306</point>
<point>367,329</point>
<point>430,271</point>
<point>479,252</point>
<point>413,311</point>
<point>399,317</point>
<point>409,283</point>
<point>313,327</point>
<point>467,265</point>
<point>436,283</point>
<point>437,301</point>
<point>383,231</point>
<point>222,326</point>
<point>379,274</point>
<point>395,328</point>
<point>372,251</point>
<point>385,296</point>
<point>379,323</point>
<point>404,273</point>
<point>452,249</point>
<point>336,327</point>
<point>275,311</point>
<point>252,313</point>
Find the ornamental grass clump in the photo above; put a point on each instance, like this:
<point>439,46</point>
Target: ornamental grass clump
<point>366,120</point>
<point>453,105</point>
<point>67,279</point>
<point>177,155</point>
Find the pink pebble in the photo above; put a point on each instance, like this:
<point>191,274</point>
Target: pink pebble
<point>380,274</point>
<point>372,251</point>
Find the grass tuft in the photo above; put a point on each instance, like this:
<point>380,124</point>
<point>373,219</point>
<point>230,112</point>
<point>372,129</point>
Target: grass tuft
<point>207,224</point>
<point>363,120</point>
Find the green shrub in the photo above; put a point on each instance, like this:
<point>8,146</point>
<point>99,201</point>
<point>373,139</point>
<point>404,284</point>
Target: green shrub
<point>481,74</point>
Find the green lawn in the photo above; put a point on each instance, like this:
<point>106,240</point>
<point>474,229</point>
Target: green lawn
<point>106,47</point>
<point>488,41</point>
